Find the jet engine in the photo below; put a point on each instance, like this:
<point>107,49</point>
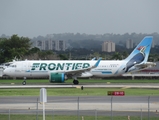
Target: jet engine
<point>57,77</point>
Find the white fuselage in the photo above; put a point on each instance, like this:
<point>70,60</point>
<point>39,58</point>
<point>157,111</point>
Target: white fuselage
<point>41,68</point>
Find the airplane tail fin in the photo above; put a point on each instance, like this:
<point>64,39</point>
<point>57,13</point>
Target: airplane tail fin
<point>139,55</point>
<point>142,50</point>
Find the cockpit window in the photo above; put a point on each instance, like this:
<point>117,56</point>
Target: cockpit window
<point>12,66</point>
<point>7,64</point>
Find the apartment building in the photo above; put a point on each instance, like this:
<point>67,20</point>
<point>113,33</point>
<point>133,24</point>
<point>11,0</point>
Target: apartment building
<point>129,44</point>
<point>58,45</point>
<point>108,46</point>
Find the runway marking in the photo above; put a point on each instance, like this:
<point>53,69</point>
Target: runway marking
<point>126,87</point>
<point>78,86</point>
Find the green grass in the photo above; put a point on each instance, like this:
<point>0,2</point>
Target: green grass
<point>116,81</point>
<point>64,117</point>
<point>81,81</point>
<point>78,92</point>
<point>19,81</point>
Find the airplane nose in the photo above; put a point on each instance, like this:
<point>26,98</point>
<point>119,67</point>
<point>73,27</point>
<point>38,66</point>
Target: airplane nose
<point>5,72</point>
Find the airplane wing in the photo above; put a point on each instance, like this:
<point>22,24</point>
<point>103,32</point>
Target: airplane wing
<point>79,71</point>
<point>145,65</point>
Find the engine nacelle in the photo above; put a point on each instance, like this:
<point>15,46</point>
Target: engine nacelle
<point>57,77</point>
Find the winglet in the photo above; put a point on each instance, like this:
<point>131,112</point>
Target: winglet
<point>97,63</point>
<point>94,58</point>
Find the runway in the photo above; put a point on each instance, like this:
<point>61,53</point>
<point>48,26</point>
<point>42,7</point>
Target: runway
<point>155,86</point>
<point>85,105</point>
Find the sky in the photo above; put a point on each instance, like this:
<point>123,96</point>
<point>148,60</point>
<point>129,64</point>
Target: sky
<point>31,18</point>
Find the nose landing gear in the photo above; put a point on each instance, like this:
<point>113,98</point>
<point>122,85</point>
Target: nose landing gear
<point>24,82</point>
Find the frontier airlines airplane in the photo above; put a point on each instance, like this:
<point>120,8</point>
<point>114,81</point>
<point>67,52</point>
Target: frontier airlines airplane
<point>59,70</point>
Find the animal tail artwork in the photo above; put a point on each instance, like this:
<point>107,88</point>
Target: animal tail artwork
<point>140,54</point>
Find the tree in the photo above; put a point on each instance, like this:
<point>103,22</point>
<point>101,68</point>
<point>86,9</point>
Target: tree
<point>33,50</point>
<point>117,56</point>
<point>14,47</point>
<point>153,57</point>
<point>124,54</point>
<point>47,55</point>
<point>63,57</point>
<point>96,54</point>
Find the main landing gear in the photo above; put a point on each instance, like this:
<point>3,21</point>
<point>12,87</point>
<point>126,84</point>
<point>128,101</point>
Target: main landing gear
<point>24,82</point>
<point>75,81</point>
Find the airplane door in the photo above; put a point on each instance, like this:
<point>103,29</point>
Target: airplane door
<point>16,70</point>
<point>29,69</point>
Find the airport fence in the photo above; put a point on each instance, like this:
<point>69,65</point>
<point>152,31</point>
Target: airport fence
<point>83,108</point>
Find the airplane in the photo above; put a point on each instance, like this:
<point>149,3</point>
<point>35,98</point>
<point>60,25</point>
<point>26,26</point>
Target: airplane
<point>59,70</point>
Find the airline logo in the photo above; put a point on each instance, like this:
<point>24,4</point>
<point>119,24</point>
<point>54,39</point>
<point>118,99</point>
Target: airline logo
<point>59,66</point>
<point>139,48</point>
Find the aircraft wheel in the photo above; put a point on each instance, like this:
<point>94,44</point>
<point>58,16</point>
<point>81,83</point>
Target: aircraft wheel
<point>75,82</point>
<point>24,82</point>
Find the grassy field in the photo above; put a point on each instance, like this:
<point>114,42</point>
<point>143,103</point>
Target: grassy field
<point>81,81</point>
<point>63,117</point>
<point>78,92</point>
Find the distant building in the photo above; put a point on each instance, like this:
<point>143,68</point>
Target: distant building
<point>153,44</point>
<point>129,44</point>
<point>58,45</point>
<point>108,46</point>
